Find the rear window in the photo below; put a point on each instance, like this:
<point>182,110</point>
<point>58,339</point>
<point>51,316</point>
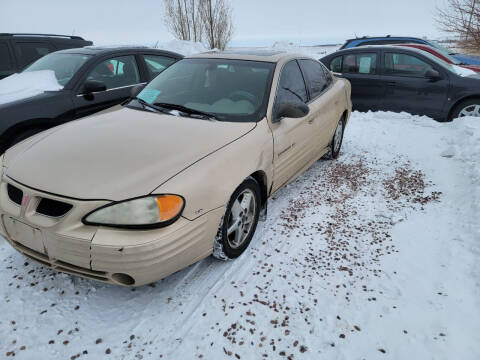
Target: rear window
<point>29,52</point>
<point>5,59</point>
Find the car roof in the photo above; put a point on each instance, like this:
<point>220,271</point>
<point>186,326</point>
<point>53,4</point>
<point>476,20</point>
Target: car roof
<point>377,47</point>
<point>105,50</point>
<point>272,56</point>
<point>383,37</point>
<point>36,36</point>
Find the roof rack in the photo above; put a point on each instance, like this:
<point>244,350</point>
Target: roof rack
<point>43,35</point>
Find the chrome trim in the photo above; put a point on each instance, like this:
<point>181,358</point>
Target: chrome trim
<point>121,87</point>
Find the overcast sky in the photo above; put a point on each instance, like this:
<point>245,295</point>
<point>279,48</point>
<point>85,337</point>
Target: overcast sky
<point>257,22</point>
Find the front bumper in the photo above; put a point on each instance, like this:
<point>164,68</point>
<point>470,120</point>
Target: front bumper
<point>125,257</point>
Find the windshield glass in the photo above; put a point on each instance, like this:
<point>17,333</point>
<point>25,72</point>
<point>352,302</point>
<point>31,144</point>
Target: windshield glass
<point>64,65</point>
<point>231,90</point>
<point>457,70</point>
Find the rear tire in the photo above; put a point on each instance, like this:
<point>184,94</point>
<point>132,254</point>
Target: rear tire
<point>337,140</point>
<point>466,108</point>
<point>239,222</point>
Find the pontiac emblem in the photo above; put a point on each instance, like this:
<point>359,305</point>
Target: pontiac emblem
<point>26,200</point>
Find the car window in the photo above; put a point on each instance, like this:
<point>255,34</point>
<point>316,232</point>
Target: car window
<point>328,75</point>
<point>360,63</point>
<point>5,59</point>
<point>405,65</point>
<point>291,85</point>
<point>29,52</point>
<point>315,77</point>
<point>116,72</point>
<point>336,64</point>
<point>157,63</point>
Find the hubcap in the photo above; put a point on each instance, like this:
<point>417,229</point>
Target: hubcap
<point>240,220</point>
<point>337,141</point>
<point>471,110</point>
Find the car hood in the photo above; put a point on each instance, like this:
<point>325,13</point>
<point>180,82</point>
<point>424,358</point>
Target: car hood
<point>117,154</point>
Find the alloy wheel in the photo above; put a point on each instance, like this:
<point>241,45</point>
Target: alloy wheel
<point>241,218</point>
<point>470,110</point>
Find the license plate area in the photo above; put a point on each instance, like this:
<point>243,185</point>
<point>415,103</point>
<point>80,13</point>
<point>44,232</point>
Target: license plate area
<point>24,234</point>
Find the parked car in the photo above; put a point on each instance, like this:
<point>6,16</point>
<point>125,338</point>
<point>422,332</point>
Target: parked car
<point>395,78</point>
<point>390,40</point>
<point>445,57</point>
<point>90,79</point>
<point>182,171</point>
<point>17,51</point>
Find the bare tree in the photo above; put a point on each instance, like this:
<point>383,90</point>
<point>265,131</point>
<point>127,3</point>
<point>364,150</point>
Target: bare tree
<point>217,22</point>
<point>182,18</point>
<point>462,18</point>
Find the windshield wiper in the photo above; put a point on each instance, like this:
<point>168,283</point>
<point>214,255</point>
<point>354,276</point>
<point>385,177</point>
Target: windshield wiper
<point>146,104</point>
<point>186,110</point>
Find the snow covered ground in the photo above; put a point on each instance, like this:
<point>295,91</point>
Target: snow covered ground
<point>373,256</point>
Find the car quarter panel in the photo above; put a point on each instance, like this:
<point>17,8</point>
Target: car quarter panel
<point>209,183</point>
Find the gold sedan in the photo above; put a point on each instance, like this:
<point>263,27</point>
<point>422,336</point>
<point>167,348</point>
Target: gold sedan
<point>181,171</point>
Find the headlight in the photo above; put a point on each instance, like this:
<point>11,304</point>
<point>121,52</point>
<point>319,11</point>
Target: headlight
<point>141,213</point>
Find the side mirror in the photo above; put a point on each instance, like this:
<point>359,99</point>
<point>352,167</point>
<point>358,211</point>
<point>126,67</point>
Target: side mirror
<point>136,90</point>
<point>433,75</point>
<point>92,86</point>
<point>291,109</point>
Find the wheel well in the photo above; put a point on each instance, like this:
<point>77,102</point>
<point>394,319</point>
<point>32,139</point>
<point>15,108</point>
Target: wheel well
<point>452,108</point>
<point>17,129</point>
<point>345,114</point>
<point>261,178</point>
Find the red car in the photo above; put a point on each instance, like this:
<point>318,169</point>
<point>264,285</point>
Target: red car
<point>445,57</point>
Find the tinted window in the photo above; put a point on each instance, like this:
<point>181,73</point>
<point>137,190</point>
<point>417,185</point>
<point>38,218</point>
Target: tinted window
<point>5,59</point>
<point>64,65</point>
<point>360,63</point>
<point>405,65</point>
<point>116,72</point>
<point>315,77</point>
<point>29,52</point>
<point>291,86</point>
<point>156,64</point>
<point>336,64</point>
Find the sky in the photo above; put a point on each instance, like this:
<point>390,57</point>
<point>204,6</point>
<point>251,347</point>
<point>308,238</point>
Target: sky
<point>256,22</point>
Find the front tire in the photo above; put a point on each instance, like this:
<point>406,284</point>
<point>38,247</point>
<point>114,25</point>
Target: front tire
<point>239,222</point>
<point>467,108</point>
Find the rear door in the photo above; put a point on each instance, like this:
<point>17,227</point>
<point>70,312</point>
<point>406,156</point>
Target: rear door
<point>325,108</point>
<point>292,138</point>
<point>7,64</point>
<point>407,87</point>
<point>119,74</point>
<point>362,70</point>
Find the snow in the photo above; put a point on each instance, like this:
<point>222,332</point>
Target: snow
<point>372,256</point>
<point>27,84</point>
<point>182,47</point>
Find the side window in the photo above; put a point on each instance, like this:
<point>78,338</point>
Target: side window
<point>29,52</point>
<point>291,86</point>
<point>336,64</point>
<point>328,75</point>
<point>405,65</point>
<point>360,63</point>
<point>5,58</point>
<point>315,76</point>
<point>156,64</point>
<point>116,72</point>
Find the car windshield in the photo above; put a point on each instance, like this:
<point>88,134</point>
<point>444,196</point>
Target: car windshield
<point>230,90</point>
<point>457,70</point>
<point>64,65</point>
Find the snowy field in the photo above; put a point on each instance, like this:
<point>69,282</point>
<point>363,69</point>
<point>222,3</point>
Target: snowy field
<point>373,256</point>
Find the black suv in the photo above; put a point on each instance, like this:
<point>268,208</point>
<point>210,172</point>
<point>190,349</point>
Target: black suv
<point>19,50</point>
<point>90,79</point>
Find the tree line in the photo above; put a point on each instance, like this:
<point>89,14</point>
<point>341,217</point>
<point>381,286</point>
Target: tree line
<point>207,21</point>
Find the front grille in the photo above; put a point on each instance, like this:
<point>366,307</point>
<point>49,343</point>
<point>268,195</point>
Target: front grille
<point>53,208</point>
<point>15,194</point>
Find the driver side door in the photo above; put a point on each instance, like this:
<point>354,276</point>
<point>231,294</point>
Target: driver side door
<point>292,138</point>
<point>119,74</point>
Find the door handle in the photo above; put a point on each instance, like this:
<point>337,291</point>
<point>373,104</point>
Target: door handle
<point>391,83</point>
